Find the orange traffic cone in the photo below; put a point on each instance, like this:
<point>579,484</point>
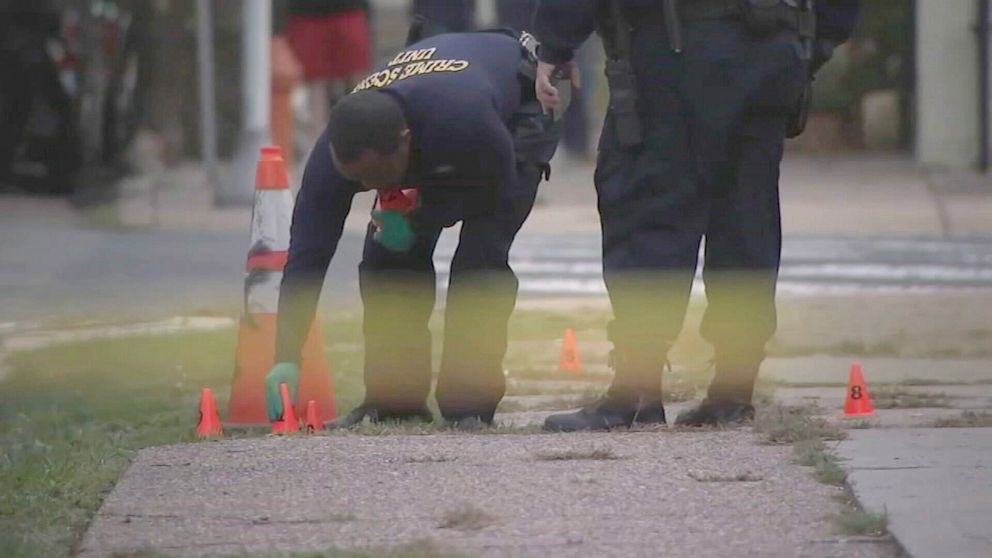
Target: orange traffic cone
<point>857,402</point>
<point>209,422</point>
<point>254,355</point>
<point>568,357</point>
<point>287,423</point>
<point>312,421</point>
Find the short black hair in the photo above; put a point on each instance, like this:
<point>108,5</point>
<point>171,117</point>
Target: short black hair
<point>365,120</point>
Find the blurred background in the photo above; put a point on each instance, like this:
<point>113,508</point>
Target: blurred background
<point>115,79</point>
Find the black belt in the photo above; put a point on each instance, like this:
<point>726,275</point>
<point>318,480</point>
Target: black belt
<point>801,21</point>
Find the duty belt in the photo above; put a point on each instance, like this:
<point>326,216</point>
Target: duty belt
<point>799,15</point>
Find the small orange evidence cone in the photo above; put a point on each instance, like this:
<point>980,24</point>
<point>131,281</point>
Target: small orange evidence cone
<point>312,421</point>
<point>568,357</point>
<point>209,423</point>
<point>287,423</point>
<point>857,402</point>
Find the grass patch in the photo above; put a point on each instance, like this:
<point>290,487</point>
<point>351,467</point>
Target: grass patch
<point>780,424</point>
<point>895,397</point>
<point>429,459</point>
<point>548,325</point>
<point>466,518</point>
<point>72,417</point>
<point>967,419</point>
<point>561,403</point>
<point>826,467</point>
<point>863,424</point>
<point>716,477</point>
<point>593,454</point>
<point>853,521</point>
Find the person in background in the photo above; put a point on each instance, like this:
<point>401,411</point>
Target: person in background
<point>331,40</point>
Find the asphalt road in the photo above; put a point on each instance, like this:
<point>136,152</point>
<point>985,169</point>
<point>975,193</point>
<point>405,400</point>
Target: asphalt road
<point>59,271</point>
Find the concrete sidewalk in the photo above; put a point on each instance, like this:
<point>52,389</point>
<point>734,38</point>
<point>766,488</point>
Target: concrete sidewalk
<point>935,486</point>
<point>644,492</point>
<point>649,493</point>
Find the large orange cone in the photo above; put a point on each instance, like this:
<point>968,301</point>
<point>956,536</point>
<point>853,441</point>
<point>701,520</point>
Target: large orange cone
<point>857,402</point>
<point>209,422</point>
<point>568,357</point>
<point>256,338</point>
<point>287,423</point>
<point>312,420</point>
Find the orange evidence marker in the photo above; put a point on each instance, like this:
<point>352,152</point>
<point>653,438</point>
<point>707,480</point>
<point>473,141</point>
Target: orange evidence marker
<point>312,420</point>
<point>287,423</point>
<point>857,401</point>
<point>209,423</point>
<point>568,357</point>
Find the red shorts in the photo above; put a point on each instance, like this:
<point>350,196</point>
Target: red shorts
<point>332,46</point>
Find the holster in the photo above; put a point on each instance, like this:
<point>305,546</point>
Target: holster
<point>623,102</point>
<point>797,120</point>
<point>616,33</point>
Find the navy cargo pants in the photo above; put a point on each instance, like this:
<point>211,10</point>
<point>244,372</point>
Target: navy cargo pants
<point>714,120</point>
<point>398,293</point>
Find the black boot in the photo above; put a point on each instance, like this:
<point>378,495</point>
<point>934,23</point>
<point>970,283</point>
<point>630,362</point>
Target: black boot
<point>605,414</point>
<point>712,412</point>
<point>608,413</point>
<point>650,412</point>
<point>375,414</point>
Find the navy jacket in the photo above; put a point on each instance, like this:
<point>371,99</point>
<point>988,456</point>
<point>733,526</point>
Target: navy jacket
<point>563,25</point>
<point>458,93</point>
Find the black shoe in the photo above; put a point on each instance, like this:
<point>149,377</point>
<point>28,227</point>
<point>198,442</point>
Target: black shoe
<point>375,414</point>
<point>717,413</point>
<point>650,413</point>
<point>605,414</point>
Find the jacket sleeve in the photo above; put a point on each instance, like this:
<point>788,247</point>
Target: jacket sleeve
<point>562,26</point>
<point>322,205</point>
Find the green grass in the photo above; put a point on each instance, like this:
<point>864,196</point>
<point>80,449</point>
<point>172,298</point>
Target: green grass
<point>967,419</point>
<point>781,424</point>
<point>855,521</point>
<point>826,466</point>
<point>896,397</point>
<point>466,517</point>
<point>592,454</point>
<point>73,416</point>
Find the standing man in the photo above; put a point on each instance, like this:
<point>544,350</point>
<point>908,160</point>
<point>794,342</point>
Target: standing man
<point>702,96</point>
<point>448,131</point>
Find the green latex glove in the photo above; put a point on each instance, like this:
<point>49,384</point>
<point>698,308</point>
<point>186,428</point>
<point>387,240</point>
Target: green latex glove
<point>283,372</point>
<point>395,232</point>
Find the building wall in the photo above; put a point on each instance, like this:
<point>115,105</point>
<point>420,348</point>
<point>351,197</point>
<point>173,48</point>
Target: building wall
<point>948,128</point>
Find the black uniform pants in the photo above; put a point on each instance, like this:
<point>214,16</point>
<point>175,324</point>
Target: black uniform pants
<point>398,293</point>
<point>714,122</point>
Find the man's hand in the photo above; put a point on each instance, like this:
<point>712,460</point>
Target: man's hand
<point>282,373</point>
<point>395,232</point>
<point>545,90</point>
